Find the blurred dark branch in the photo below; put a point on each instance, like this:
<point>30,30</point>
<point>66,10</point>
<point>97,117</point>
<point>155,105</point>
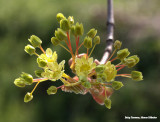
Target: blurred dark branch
<point>110,32</point>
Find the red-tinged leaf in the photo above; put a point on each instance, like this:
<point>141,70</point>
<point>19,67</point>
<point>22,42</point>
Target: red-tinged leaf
<point>100,95</point>
<point>77,89</point>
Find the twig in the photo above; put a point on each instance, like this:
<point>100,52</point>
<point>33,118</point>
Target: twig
<point>110,32</point>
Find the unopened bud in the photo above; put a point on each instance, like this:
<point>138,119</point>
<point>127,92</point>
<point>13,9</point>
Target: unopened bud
<point>73,29</point>
<point>38,73</point>
<point>30,49</point>
<point>117,85</point>
<point>64,24</point>
<point>117,44</point>
<point>121,54</point>
<point>135,57</point>
<point>87,42</point>
<point>107,103</point>
<point>55,41</point>
<point>71,19</point>
<point>130,62</point>
<point>35,41</point>
<point>60,16</point>
<point>52,90</point>
<point>28,79</point>
<point>92,33</point>
<point>96,40</point>
<point>136,75</point>
<point>41,62</point>
<point>19,82</point>
<point>28,97</point>
<point>60,34</point>
<point>79,29</point>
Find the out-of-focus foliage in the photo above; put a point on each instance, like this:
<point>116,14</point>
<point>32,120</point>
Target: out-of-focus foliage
<point>137,26</point>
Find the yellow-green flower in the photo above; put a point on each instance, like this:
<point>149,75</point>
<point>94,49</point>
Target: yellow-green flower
<point>44,59</point>
<point>54,71</point>
<point>84,66</point>
<point>110,71</point>
<point>106,73</point>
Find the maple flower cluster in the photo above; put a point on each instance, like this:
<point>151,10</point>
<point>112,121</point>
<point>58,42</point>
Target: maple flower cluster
<point>90,76</point>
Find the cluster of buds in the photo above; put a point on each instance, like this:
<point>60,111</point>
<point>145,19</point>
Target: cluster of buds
<point>90,76</point>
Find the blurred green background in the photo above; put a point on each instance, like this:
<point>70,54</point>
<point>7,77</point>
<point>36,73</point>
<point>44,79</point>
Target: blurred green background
<point>137,26</point>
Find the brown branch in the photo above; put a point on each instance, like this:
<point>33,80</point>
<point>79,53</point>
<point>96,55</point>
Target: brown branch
<point>110,32</point>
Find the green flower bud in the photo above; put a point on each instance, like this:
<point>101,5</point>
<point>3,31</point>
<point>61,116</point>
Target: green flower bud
<point>28,79</point>
<point>38,73</point>
<point>117,44</point>
<point>64,24</point>
<point>51,90</point>
<point>121,54</point>
<point>87,42</point>
<point>28,97</point>
<point>60,34</point>
<point>71,20</point>
<point>41,62</point>
<point>86,84</point>
<point>73,29</point>
<point>130,62</point>
<point>30,49</point>
<point>100,68</point>
<point>107,103</point>
<point>92,33</point>
<point>60,16</point>
<point>101,77</point>
<point>79,29</point>
<point>117,85</point>
<point>35,41</point>
<point>19,82</point>
<point>96,40</point>
<point>83,78</point>
<point>135,57</point>
<point>136,75</point>
<point>55,41</point>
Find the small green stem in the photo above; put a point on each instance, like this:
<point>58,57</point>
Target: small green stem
<point>42,49</point>
<point>65,48</point>
<point>64,81</point>
<point>112,54</point>
<point>36,54</point>
<point>80,45</point>
<point>92,50</point>
<point>74,84</point>
<point>113,59</point>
